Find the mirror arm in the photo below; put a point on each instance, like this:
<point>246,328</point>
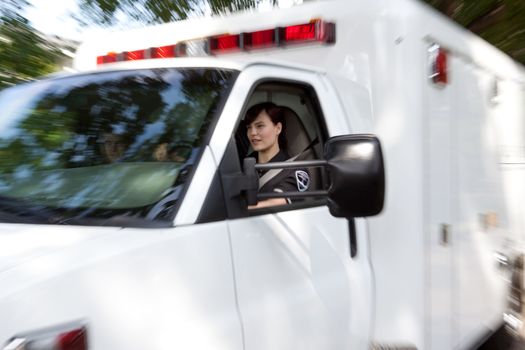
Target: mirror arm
<point>296,194</point>
<point>318,163</point>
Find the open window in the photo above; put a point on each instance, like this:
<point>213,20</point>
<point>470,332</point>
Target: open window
<point>304,130</point>
<point>348,169</point>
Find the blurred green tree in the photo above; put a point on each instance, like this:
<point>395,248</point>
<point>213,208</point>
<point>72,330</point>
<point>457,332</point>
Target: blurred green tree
<point>106,12</point>
<point>24,54</point>
<point>500,22</point>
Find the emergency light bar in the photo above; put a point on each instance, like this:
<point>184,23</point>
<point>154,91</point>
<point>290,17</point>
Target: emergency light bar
<point>315,31</point>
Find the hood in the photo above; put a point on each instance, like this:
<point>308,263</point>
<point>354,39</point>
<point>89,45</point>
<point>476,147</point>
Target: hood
<point>20,243</point>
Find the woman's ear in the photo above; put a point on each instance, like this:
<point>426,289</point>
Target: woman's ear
<point>279,126</point>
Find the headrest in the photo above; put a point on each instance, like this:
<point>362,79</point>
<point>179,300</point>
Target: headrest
<point>295,133</point>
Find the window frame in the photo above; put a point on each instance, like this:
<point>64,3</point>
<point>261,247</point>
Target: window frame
<point>314,106</point>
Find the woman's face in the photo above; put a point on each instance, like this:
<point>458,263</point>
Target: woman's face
<point>263,133</point>
<point>112,147</point>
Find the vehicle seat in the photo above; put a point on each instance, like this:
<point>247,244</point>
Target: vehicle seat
<point>295,133</point>
<point>297,141</point>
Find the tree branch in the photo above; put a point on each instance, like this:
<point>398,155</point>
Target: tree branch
<point>488,19</point>
<point>448,7</point>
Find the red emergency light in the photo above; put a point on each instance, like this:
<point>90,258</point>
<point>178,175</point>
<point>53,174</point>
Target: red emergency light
<point>303,32</point>
<point>260,39</point>
<point>225,43</point>
<point>315,31</point>
<point>109,58</point>
<point>168,51</point>
<point>134,55</point>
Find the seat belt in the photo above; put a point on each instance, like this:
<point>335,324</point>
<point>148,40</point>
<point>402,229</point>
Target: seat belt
<point>270,174</point>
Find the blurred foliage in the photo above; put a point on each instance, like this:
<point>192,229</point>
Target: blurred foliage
<point>500,22</point>
<point>107,12</point>
<point>24,54</point>
<point>62,127</point>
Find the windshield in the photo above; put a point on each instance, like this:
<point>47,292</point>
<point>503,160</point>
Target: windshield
<point>102,147</point>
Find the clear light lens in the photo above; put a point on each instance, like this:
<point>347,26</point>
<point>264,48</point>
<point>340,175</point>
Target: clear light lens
<point>197,47</point>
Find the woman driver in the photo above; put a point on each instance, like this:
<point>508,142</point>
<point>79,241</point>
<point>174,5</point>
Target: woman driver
<point>264,128</point>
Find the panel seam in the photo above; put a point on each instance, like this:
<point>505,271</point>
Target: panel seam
<point>236,295</point>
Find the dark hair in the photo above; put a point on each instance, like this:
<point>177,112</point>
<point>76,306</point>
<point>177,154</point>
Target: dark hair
<point>276,115</point>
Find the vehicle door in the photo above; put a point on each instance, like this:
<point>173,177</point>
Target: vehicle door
<point>302,276</point>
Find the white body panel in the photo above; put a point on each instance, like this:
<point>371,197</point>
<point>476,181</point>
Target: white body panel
<point>454,157</point>
<point>136,289</point>
<point>297,285</point>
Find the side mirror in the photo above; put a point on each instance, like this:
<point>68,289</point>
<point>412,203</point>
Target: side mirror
<point>356,174</point>
<point>354,165</point>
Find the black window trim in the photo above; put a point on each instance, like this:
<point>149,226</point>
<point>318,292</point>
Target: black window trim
<point>207,138</point>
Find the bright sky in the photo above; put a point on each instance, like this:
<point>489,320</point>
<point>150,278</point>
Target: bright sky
<point>54,17</point>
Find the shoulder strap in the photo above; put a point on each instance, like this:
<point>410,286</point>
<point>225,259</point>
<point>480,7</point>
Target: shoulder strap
<point>270,174</point>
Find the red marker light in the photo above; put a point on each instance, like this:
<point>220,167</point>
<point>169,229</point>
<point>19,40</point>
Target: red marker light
<point>260,39</point>
<point>69,338</point>
<point>438,65</point>
<point>73,340</point>
<point>441,68</point>
<point>225,43</point>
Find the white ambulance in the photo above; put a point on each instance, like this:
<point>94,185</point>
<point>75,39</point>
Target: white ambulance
<point>124,189</point>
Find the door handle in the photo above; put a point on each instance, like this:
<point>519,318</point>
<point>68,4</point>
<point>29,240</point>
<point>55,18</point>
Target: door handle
<point>444,234</point>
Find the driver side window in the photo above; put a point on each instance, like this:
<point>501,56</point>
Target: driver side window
<point>293,110</point>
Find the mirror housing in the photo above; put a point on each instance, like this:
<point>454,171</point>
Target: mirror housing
<point>356,173</point>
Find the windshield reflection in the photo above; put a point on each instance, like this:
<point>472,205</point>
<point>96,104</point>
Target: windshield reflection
<point>105,144</point>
